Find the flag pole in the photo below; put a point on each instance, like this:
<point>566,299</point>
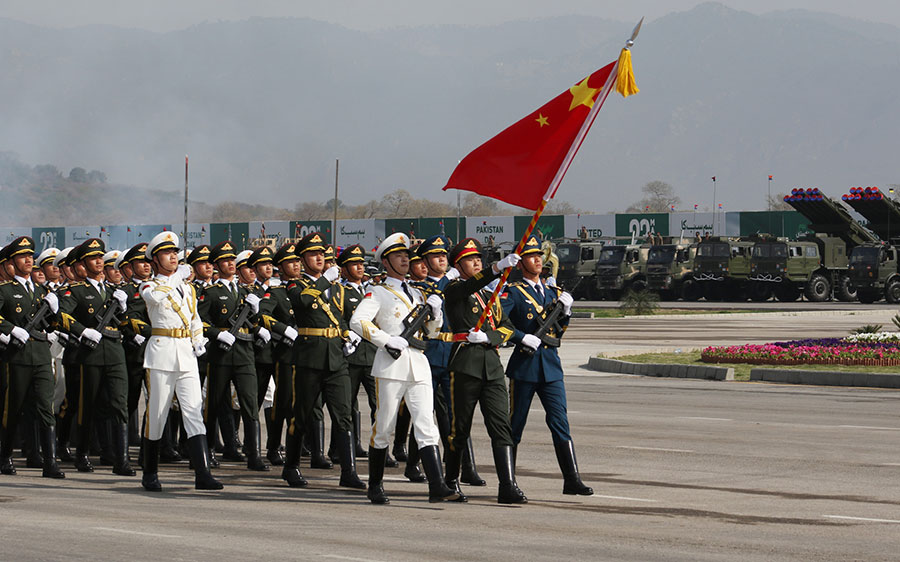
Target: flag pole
<point>560,173</point>
<point>185,233</point>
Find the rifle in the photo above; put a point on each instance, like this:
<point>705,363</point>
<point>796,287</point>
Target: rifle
<point>412,324</point>
<point>238,320</point>
<point>104,319</point>
<point>550,321</point>
<point>35,327</point>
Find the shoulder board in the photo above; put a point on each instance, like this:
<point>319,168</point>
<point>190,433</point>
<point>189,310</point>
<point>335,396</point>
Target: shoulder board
<point>516,284</point>
<point>5,283</point>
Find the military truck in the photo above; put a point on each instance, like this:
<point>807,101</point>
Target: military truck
<point>620,268</point>
<point>670,271</point>
<point>578,267</point>
<point>814,265</point>
<point>721,268</point>
<point>873,265</point>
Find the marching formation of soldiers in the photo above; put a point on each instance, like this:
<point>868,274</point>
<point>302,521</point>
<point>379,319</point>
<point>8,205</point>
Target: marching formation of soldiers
<point>215,337</point>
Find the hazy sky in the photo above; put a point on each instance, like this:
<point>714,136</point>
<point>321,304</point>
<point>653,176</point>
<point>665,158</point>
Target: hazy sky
<point>167,15</point>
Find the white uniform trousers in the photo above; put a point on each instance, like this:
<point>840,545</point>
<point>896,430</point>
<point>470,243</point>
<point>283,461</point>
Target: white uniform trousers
<point>162,386</point>
<point>420,402</point>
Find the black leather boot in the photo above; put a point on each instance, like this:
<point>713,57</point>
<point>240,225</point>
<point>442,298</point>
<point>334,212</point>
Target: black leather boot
<point>470,474</point>
<point>48,449</point>
<point>103,429</point>
<point>63,426</point>
<point>390,461</point>
<point>6,450</point>
<point>438,490</point>
<point>509,491</point>
<point>120,447</point>
<point>401,431</point>
<point>134,434</point>
<point>375,493</point>
<point>359,451</point>
<point>349,478</point>
<point>231,448</point>
<point>572,484</point>
<point>82,448</point>
<point>199,450</point>
<point>452,460</point>
<point>412,471</point>
<point>210,446</point>
<point>251,445</point>
<point>167,450</point>
<point>315,440</point>
<point>82,461</point>
<point>273,439</point>
<point>150,476</point>
<point>32,440</point>
<point>291,471</point>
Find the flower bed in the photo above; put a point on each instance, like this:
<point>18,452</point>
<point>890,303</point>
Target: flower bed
<point>870,350</point>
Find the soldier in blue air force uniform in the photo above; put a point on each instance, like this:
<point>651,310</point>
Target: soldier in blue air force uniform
<point>526,303</point>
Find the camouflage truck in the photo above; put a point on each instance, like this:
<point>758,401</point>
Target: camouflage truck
<point>670,271</point>
<point>722,268</point>
<point>873,265</point>
<point>814,266</point>
<point>578,267</point>
<point>620,268</point>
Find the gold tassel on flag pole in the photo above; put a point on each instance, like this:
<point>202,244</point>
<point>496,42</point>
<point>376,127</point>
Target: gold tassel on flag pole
<point>625,83</point>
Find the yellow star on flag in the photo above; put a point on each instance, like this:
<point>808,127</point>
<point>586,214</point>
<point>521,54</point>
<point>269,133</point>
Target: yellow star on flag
<point>582,94</point>
<point>542,120</point>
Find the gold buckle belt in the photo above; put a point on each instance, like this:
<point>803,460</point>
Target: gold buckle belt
<point>243,331</point>
<point>320,332</point>
<point>443,336</point>
<point>171,332</point>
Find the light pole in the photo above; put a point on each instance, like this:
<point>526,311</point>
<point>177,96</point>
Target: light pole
<point>769,204</point>
<point>715,215</point>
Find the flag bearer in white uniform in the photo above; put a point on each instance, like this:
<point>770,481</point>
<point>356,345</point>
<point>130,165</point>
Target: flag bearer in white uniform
<point>379,319</point>
<point>176,340</point>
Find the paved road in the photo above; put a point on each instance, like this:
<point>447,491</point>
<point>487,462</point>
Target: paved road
<point>683,470</point>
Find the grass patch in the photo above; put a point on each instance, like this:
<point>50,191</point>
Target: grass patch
<point>742,370</point>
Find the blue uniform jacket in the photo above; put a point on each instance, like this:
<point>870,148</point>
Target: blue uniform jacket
<point>437,351</point>
<point>524,306</point>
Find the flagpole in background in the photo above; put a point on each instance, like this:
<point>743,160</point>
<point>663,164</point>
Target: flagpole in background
<point>563,168</point>
<point>337,165</point>
<point>715,215</point>
<point>185,233</point>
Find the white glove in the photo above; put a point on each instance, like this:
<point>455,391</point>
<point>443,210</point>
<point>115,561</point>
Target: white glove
<point>264,335</point>
<point>452,274</point>
<point>354,338</point>
<point>4,339</point>
<point>332,273</point>
<point>52,337</point>
<point>253,301</point>
<point>512,260</point>
<point>477,336</point>
<point>182,273</point>
<point>435,302</point>
<point>566,300</point>
<point>398,343</point>
<point>290,333</point>
<point>54,302</point>
<point>20,334</point>
<point>122,297</point>
<point>199,348</point>
<point>531,341</point>
<point>139,339</point>
<point>226,337</point>
<point>273,282</point>
<point>91,334</point>
<point>349,348</point>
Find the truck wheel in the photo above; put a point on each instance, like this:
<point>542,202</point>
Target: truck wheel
<point>818,289</point>
<point>786,292</point>
<point>867,296</point>
<point>760,292</point>
<point>690,291</point>
<point>845,291</point>
<point>892,291</point>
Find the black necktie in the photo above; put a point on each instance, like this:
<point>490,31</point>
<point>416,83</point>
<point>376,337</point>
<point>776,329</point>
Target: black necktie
<point>408,293</point>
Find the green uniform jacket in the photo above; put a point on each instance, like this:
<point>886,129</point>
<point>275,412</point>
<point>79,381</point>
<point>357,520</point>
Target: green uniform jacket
<point>463,310</point>
<point>276,314</point>
<point>136,323</point>
<point>365,351</point>
<point>16,309</point>
<point>79,306</point>
<point>312,310</point>
<point>217,304</point>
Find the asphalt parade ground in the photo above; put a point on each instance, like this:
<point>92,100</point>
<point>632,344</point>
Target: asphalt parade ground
<point>681,469</point>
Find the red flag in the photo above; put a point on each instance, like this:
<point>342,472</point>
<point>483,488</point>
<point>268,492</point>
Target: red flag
<point>518,165</point>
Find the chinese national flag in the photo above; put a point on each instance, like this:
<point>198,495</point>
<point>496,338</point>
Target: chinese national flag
<point>518,165</point>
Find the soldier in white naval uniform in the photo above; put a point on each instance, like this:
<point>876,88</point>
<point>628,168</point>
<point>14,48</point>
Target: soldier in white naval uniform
<point>176,341</point>
<point>379,319</point>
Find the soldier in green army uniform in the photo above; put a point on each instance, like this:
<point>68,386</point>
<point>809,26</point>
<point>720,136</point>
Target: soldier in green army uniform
<point>65,418</point>
<point>476,374</point>
<point>27,364</point>
<point>319,362</point>
<point>231,355</point>
<point>273,361</point>
<point>102,365</point>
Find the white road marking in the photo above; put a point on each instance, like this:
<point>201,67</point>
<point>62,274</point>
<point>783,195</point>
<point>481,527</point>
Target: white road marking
<point>339,557</point>
<point>704,419</point>
<point>861,519</point>
<point>127,532</point>
<point>869,427</point>
<point>656,449</point>
<point>624,498</point>
<point>890,464</point>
